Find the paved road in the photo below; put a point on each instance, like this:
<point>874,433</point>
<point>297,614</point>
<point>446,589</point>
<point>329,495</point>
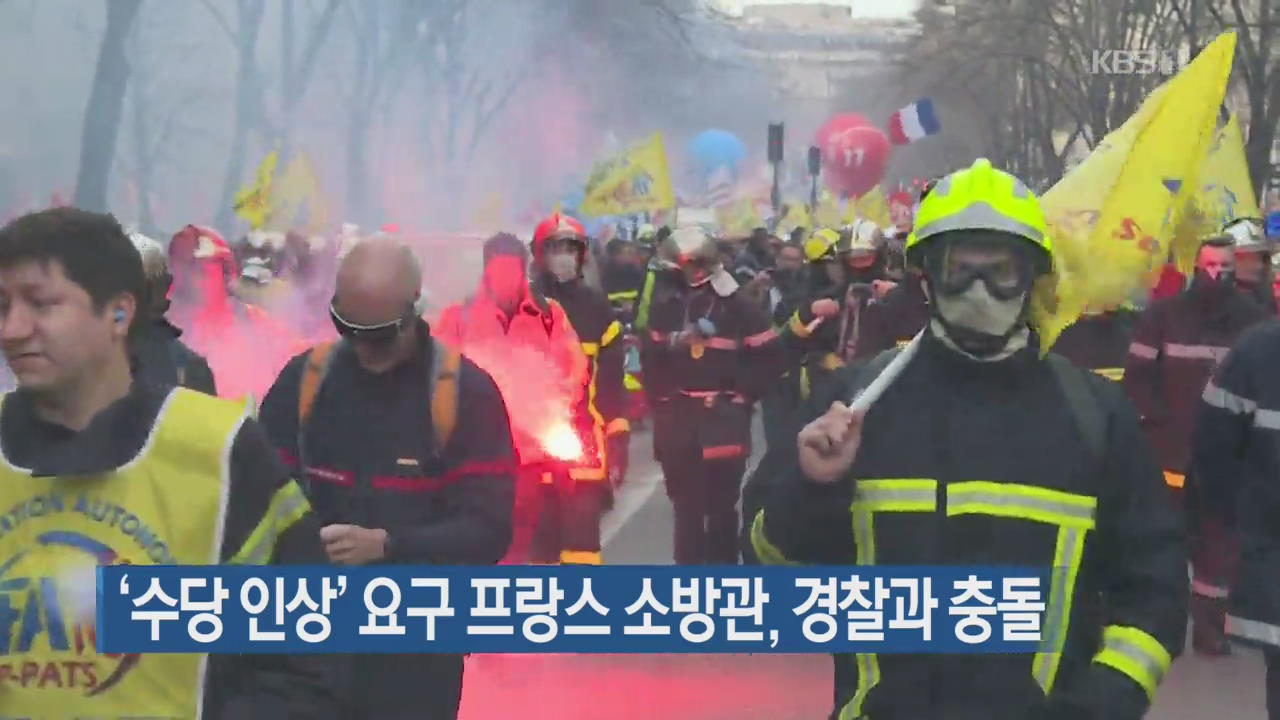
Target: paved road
<point>748,687</point>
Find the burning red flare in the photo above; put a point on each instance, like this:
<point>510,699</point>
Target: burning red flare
<point>562,443</point>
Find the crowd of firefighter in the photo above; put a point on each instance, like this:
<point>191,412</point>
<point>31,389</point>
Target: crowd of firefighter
<point>687,334</point>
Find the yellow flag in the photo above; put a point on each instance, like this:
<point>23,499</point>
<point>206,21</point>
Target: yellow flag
<point>1226,190</point>
<point>296,201</point>
<point>636,180</point>
<point>873,206</point>
<point>738,218</point>
<point>797,216</point>
<point>253,202</point>
<point>827,214</point>
<point>1113,216</point>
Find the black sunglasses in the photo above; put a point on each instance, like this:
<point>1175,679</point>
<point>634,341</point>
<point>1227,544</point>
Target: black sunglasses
<point>380,334</point>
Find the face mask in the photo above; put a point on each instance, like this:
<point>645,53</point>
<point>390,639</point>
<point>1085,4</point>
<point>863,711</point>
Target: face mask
<point>563,266</point>
<point>978,323</point>
<point>1212,287</point>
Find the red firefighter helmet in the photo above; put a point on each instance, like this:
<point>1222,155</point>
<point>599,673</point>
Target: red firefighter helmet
<point>199,244</point>
<point>558,227</point>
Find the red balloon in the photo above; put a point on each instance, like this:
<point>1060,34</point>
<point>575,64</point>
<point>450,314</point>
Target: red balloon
<point>855,154</point>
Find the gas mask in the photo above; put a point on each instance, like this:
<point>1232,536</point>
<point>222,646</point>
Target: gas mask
<point>980,293</point>
<point>979,323</point>
<point>563,266</point>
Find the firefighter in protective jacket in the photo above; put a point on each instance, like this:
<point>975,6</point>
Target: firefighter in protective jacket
<point>709,355</point>
<point>1236,453</point>
<point>1176,344</point>
<point>574,508</point>
<point>525,341</point>
<point>981,452</point>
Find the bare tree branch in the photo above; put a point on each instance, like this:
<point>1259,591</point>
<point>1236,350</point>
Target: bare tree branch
<point>220,20</point>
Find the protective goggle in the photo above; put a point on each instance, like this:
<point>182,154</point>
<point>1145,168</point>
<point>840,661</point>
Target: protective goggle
<point>381,334</point>
<point>1007,271</point>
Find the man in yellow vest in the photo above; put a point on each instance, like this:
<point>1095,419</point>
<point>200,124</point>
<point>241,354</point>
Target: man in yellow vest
<point>97,469</point>
<point>407,456</point>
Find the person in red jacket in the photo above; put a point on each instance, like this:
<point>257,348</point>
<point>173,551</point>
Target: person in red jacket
<point>245,347</point>
<point>525,341</point>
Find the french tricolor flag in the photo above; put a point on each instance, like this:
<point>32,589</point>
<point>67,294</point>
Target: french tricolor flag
<point>913,122</point>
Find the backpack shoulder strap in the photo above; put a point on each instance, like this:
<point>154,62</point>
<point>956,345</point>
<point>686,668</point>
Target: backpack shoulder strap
<point>446,366</point>
<point>1086,409</point>
<point>313,373</point>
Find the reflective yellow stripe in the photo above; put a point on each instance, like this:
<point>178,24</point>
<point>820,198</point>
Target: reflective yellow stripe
<point>766,552</point>
<point>646,299</point>
<point>580,557</point>
<point>872,496</point>
<point>1073,515</point>
<point>287,506</point>
<point>1136,654</point>
<point>617,425</point>
<point>590,349</point>
<point>624,295</point>
<point>830,361</point>
<point>805,386</point>
<point>611,333</point>
<point>798,328</point>
<point>1174,480</point>
<point>897,495</point>
<point>631,383</point>
<point>1027,502</point>
<point>1116,374</point>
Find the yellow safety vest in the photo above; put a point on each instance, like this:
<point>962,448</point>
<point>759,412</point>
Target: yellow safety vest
<point>164,507</point>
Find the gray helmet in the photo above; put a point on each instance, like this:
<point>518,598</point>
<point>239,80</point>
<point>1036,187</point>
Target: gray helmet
<point>155,261</point>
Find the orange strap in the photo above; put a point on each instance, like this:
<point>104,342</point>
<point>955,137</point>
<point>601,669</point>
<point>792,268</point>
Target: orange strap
<point>444,388</point>
<point>444,394</point>
<point>312,377</point>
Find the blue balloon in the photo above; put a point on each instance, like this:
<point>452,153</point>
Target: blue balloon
<point>713,149</point>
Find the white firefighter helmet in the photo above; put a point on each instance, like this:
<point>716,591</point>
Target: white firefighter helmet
<point>1246,235</point>
<point>260,240</point>
<point>155,261</point>
<point>691,243</point>
<point>864,237</point>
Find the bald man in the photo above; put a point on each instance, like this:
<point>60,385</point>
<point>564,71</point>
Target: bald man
<point>405,451</point>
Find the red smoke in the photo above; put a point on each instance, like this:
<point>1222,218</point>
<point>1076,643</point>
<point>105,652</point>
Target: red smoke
<point>540,398</point>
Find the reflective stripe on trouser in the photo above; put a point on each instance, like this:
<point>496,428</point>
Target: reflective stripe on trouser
<point>1136,654</point>
<point>1253,630</point>
<point>871,497</point>
<point>1074,516</point>
<point>766,552</point>
<point>287,506</point>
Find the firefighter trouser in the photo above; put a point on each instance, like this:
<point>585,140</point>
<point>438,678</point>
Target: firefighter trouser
<point>704,494</point>
<point>568,523</point>
<point>1212,568</point>
<point>1272,656</point>
<point>401,687</point>
<point>524,514</point>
